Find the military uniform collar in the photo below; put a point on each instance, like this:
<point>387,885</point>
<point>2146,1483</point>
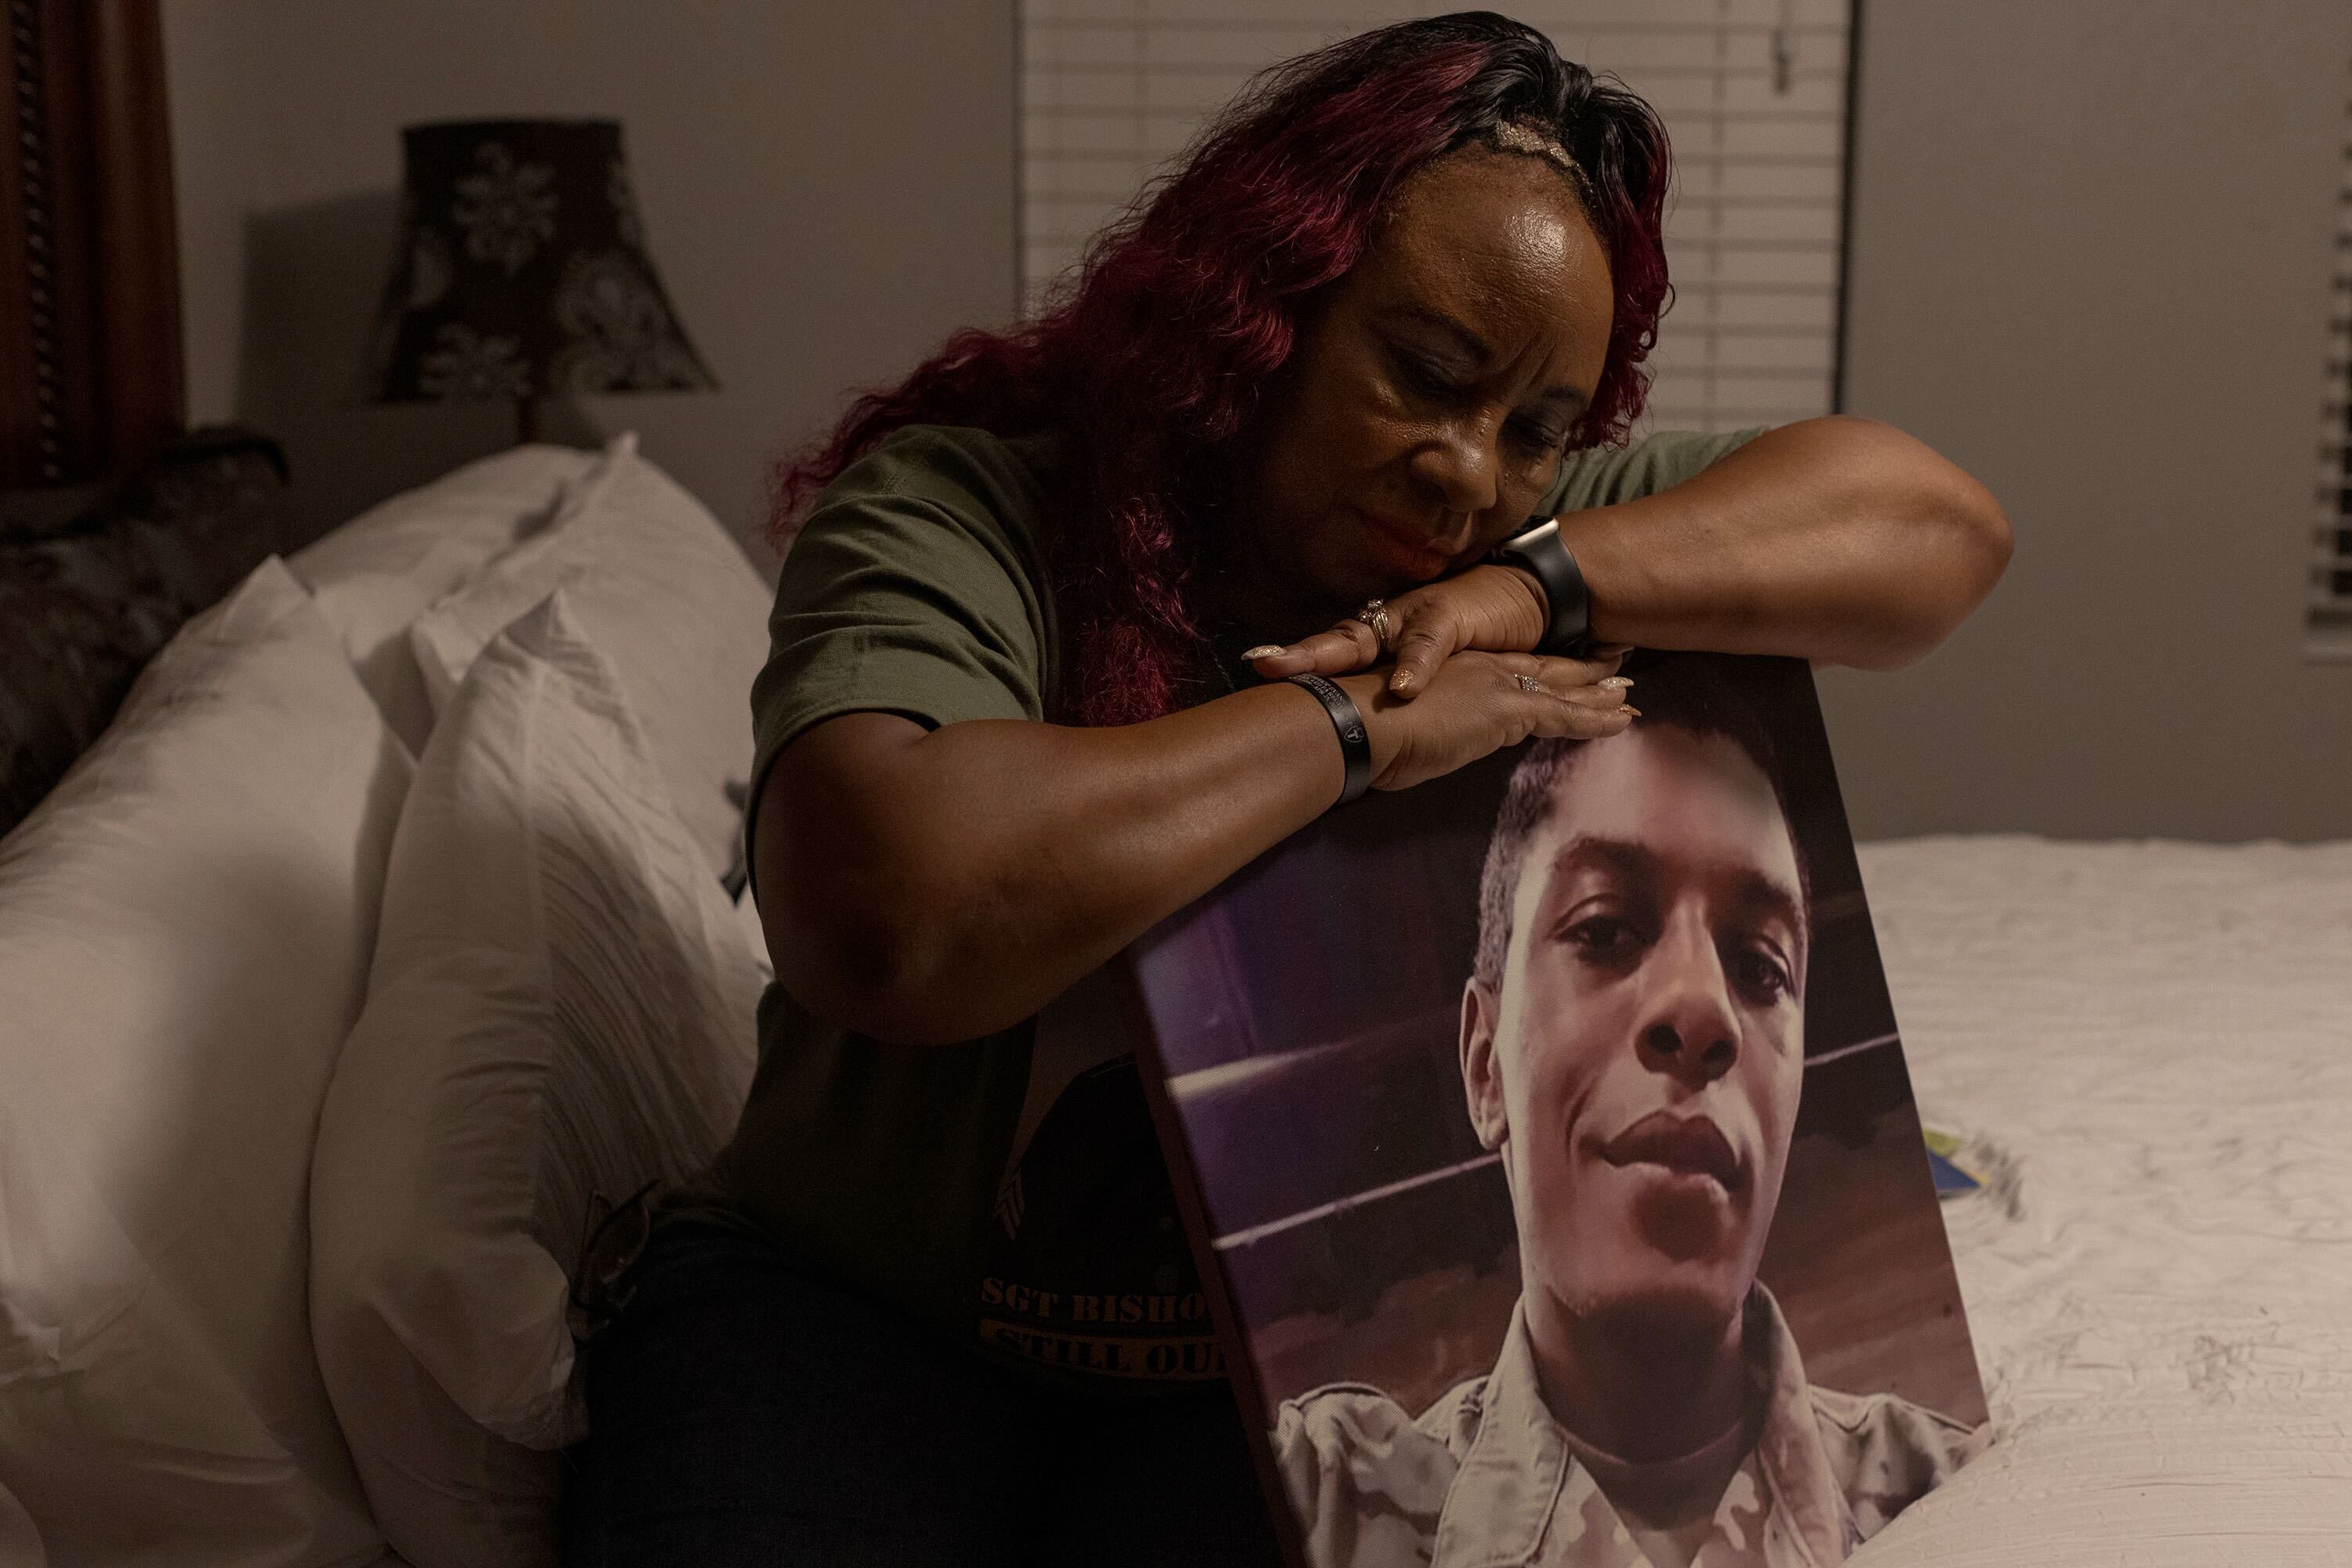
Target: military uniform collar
<point>1519,1482</point>
<point>1808,1501</point>
<point>1512,1479</point>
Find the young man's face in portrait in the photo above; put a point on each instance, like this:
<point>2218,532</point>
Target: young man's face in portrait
<point>1639,1062</point>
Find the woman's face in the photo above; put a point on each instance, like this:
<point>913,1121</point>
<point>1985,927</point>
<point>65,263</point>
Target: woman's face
<point>1423,412</point>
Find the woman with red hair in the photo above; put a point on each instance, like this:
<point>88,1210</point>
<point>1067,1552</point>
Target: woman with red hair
<point>1077,621</point>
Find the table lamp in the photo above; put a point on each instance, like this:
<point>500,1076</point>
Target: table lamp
<point>522,272</point>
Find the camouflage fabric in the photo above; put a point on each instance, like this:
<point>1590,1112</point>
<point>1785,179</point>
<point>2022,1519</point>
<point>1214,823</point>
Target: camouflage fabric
<point>1485,1478</point>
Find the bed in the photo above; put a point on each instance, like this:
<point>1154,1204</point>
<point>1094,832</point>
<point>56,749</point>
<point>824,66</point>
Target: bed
<point>2149,1045</point>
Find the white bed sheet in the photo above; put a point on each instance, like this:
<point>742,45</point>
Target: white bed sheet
<point>2154,1040</point>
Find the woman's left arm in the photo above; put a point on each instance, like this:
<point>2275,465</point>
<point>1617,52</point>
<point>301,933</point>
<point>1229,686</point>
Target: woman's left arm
<point>1838,540</point>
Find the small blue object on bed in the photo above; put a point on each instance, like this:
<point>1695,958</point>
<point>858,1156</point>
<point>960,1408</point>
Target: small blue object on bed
<point>1949,1178</point>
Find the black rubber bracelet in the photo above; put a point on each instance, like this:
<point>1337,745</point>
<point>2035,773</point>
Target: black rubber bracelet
<point>1541,551</point>
<point>1355,744</point>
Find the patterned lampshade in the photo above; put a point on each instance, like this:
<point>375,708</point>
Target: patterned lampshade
<point>522,271</point>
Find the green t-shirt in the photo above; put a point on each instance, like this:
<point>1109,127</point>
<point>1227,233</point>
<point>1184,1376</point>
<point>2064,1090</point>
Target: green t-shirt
<point>1009,1189</point>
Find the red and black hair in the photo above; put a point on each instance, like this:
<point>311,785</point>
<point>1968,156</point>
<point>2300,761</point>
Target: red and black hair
<point>1153,353</point>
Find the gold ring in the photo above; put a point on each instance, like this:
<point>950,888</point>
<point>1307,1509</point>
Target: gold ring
<point>1375,615</point>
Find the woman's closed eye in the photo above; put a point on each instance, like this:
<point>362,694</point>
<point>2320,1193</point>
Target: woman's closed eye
<point>1537,440</point>
<point>1422,377</point>
<point>1427,381</point>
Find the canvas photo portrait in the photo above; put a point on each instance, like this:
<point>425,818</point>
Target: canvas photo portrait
<point>1548,1128</point>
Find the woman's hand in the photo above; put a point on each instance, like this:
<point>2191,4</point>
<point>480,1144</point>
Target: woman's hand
<point>1491,608</point>
<point>1476,703</point>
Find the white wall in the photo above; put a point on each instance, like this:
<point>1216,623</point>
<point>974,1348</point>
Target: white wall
<point>828,190</point>
<point>2091,252</point>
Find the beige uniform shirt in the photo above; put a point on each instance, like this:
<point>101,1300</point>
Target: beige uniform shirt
<point>1485,1478</point>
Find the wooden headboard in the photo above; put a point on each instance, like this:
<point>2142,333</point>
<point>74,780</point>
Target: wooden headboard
<point>91,376</point>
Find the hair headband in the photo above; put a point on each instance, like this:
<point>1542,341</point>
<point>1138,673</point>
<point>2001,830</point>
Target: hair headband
<point>1520,136</point>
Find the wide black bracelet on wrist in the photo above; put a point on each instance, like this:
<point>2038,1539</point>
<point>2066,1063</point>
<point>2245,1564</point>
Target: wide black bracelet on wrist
<point>1355,744</point>
<point>1541,552</point>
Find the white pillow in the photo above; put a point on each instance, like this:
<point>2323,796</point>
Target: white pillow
<point>562,1003</point>
<point>20,1543</point>
<point>184,929</point>
<point>379,571</point>
<point>668,596</point>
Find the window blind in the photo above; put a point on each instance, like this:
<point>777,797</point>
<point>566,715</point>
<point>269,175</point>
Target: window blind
<point>2329,617</point>
<point>1753,93</point>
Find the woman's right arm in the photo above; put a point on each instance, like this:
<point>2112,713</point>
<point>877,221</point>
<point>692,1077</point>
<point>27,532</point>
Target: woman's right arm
<point>923,886</point>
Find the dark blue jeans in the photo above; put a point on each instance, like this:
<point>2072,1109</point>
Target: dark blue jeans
<point>744,1412</point>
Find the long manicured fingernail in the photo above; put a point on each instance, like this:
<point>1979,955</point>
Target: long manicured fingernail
<point>1615,682</point>
<point>1629,711</point>
<point>1263,651</point>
